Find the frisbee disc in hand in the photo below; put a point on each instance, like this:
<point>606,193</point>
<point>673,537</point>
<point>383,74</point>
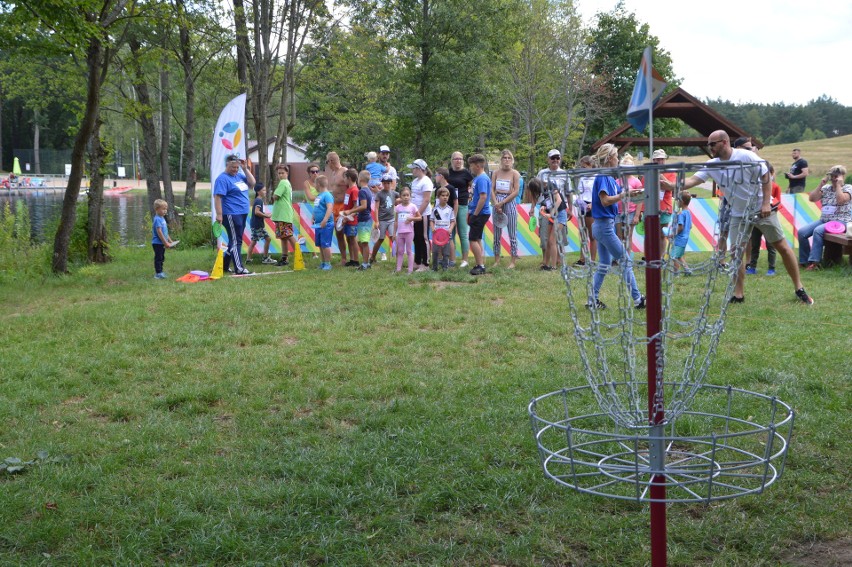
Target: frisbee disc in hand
<point>500,220</point>
<point>640,228</point>
<point>441,236</point>
<point>835,227</point>
<point>217,229</point>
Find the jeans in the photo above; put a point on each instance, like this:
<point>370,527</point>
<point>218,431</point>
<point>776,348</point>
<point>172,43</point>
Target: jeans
<point>808,252</point>
<point>159,257</point>
<point>610,248</point>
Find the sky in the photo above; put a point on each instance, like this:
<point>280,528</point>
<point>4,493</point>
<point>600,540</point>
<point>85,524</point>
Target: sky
<point>763,51</point>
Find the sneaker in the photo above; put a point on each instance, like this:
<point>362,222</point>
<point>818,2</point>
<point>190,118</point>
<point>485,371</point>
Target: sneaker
<point>735,299</point>
<point>352,264</point>
<point>639,303</point>
<point>243,272</point>
<point>384,257</point>
<point>452,264</point>
<point>268,260</point>
<point>282,261</point>
<point>422,269</point>
<point>464,264</point>
<point>325,266</point>
<point>477,270</point>
<point>364,267</point>
<point>598,304</point>
<point>160,276</point>
<point>804,297</point>
<point>580,262</point>
<point>751,271</point>
<point>770,272</point>
<point>812,267</point>
<point>546,268</point>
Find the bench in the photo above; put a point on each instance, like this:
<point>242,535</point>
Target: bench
<point>836,245</point>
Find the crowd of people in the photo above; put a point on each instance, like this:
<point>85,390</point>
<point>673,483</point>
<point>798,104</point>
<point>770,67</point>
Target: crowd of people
<point>452,205</point>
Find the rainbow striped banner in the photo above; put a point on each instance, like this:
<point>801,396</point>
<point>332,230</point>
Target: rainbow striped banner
<point>795,211</point>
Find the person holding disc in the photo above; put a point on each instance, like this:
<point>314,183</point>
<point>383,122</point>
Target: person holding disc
<point>442,223</point>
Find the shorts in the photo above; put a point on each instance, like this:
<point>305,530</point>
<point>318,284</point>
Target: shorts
<point>769,226</point>
<point>364,230</point>
<point>385,227</point>
<point>323,236</point>
<point>335,211</point>
<point>258,234</point>
<point>677,252</point>
<point>350,230</point>
<point>283,230</point>
<point>584,208</point>
<point>477,225</point>
<point>562,216</point>
<point>665,219</point>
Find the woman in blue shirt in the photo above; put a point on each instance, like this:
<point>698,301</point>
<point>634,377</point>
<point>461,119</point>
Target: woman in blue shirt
<point>231,201</point>
<point>606,194</point>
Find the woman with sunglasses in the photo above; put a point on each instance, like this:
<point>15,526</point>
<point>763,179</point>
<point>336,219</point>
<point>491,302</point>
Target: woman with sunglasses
<point>460,178</point>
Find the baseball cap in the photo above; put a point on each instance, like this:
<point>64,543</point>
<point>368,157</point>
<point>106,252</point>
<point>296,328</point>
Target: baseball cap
<point>384,149</point>
<point>418,163</point>
<point>659,154</point>
<point>553,153</point>
<point>387,177</point>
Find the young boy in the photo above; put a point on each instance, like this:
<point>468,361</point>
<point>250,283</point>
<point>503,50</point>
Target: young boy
<point>363,214</point>
<point>258,227</point>
<point>443,216</point>
<point>376,171</point>
<point>386,200</point>
<point>323,221</point>
<point>681,234</point>
<point>350,227</point>
<point>282,212</point>
<point>160,239</point>
<point>480,210</point>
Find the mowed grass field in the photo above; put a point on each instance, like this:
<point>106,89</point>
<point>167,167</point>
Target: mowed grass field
<point>362,418</point>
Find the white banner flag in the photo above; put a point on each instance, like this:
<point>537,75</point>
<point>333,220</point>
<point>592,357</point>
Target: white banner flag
<point>228,138</point>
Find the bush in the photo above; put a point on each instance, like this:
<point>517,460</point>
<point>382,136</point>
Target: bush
<point>19,256</point>
<point>195,231</point>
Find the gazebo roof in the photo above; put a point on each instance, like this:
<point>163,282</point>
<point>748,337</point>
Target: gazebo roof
<point>679,104</point>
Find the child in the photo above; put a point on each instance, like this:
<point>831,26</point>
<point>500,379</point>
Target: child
<point>386,200</point>
<point>363,211</point>
<point>323,221</point>
<point>160,239</point>
<point>442,175</point>
<point>282,212</point>
<point>406,215</point>
<point>350,228</point>
<point>541,203</point>
<point>681,234</point>
<point>443,216</point>
<point>376,171</point>
<point>258,227</point>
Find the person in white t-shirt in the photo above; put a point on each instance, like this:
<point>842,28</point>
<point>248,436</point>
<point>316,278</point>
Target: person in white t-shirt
<point>421,196</point>
<point>748,191</point>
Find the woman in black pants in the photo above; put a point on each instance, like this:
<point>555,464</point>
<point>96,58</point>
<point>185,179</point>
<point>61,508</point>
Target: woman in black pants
<point>421,197</point>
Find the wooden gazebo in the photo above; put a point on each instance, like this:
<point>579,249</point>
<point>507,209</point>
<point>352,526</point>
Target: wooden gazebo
<point>679,104</point>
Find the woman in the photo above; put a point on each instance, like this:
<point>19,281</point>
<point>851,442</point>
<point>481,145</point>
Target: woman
<point>421,197</point>
<point>506,184</point>
<point>584,208</point>
<point>460,178</point>
<point>836,197</point>
<point>308,187</point>
<point>231,205</point>
<point>606,194</point>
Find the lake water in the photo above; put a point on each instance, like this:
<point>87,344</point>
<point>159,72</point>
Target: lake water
<point>126,214</point>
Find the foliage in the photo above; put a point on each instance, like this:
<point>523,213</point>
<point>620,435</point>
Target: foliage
<point>14,465</point>
<point>195,228</point>
<point>20,257</point>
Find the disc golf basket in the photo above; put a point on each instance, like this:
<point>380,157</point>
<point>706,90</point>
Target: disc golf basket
<point>646,427</point>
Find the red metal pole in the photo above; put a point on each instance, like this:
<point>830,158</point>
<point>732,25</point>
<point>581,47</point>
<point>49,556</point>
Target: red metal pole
<point>654,314</point>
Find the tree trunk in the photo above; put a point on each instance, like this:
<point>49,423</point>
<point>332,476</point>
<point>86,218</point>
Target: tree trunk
<point>189,126</point>
<point>148,149</point>
<point>242,43</point>
<point>94,64</point>
<point>165,138</point>
<point>36,142</point>
<point>98,248</point>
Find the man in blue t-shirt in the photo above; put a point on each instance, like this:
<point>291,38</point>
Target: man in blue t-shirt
<point>231,202</point>
<point>480,210</point>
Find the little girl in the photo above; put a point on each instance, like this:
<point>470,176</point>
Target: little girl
<point>406,215</point>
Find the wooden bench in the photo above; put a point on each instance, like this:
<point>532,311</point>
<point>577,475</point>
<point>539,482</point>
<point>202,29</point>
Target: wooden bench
<point>836,245</point>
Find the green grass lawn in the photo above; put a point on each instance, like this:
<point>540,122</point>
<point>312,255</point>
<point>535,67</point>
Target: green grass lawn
<point>363,418</point>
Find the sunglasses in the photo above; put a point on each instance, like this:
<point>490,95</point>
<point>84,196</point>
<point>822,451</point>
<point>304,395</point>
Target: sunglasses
<point>313,171</point>
<point>555,158</point>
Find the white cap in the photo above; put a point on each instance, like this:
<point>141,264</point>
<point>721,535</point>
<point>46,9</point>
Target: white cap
<point>552,153</point>
<point>659,154</point>
<point>384,149</point>
<point>418,163</point>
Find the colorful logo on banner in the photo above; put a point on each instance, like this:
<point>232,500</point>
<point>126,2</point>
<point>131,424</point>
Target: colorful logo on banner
<point>230,135</point>
<point>795,211</point>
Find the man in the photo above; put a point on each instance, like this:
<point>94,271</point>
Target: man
<point>756,235</point>
<point>553,240</point>
<point>384,159</point>
<point>231,204</point>
<point>480,207</point>
<point>797,174</point>
<point>334,172</point>
<point>740,187</point>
